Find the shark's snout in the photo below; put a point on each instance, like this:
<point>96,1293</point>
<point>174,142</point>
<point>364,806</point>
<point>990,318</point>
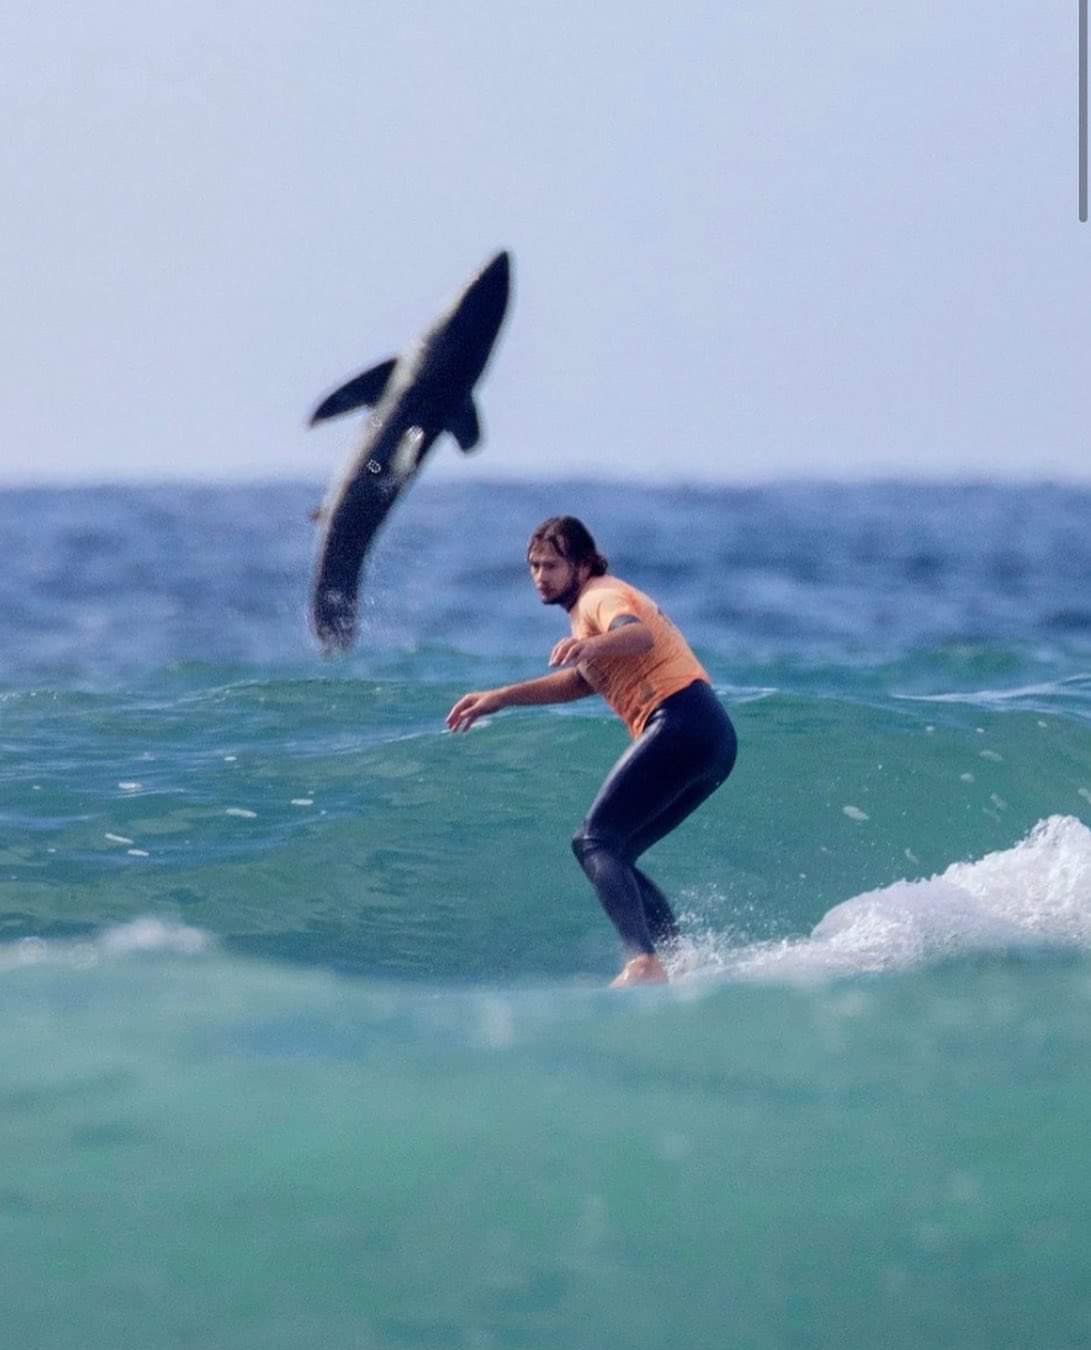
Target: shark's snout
<point>484,301</point>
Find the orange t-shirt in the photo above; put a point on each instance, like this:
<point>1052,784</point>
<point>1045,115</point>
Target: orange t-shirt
<point>634,686</point>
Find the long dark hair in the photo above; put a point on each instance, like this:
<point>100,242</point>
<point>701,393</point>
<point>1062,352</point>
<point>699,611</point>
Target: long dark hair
<point>572,540</point>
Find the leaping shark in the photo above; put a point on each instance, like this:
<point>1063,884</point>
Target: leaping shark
<point>415,397</point>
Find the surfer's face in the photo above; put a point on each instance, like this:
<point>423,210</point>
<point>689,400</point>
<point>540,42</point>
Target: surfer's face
<point>556,580</point>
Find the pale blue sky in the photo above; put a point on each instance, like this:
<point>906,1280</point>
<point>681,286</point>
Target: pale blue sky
<point>751,240</point>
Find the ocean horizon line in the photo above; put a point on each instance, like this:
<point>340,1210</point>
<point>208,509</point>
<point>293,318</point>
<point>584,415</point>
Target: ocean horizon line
<point>700,483</point>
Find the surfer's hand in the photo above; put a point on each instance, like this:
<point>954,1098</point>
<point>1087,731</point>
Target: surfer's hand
<point>571,651</point>
<point>472,706</point>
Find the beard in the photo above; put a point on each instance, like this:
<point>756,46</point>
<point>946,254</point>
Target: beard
<point>566,598</point>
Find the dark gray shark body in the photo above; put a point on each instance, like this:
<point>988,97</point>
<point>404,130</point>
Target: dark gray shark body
<point>416,397</point>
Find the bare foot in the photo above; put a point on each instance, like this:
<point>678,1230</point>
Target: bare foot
<point>643,969</point>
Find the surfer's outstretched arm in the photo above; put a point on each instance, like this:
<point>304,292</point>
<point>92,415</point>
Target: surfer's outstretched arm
<point>563,687</point>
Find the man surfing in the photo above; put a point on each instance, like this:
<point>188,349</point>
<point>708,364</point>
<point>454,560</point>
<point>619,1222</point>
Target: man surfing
<point>624,648</point>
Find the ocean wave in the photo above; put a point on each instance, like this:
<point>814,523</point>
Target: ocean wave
<point>1032,896</point>
<point>336,822</point>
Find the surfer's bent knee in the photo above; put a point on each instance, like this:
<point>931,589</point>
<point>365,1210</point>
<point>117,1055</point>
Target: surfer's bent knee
<point>587,841</point>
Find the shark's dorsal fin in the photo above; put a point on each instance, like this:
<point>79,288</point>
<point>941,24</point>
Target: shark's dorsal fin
<point>359,391</point>
<point>464,426</point>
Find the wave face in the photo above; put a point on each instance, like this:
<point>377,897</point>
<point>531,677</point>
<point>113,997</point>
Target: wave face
<point>306,1034</point>
<point>335,822</point>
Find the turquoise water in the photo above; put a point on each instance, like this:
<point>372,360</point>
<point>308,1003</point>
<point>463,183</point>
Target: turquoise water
<point>305,1034</point>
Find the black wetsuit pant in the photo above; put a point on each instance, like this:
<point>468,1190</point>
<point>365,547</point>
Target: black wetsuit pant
<point>684,753</point>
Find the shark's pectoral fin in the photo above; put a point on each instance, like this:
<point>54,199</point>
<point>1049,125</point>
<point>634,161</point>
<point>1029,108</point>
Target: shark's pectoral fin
<point>464,426</point>
<point>359,391</point>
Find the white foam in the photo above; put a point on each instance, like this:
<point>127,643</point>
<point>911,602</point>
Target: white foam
<point>1078,684</point>
<point>1038,892</point>
<point>153,935</point>
<point>146,935</point>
